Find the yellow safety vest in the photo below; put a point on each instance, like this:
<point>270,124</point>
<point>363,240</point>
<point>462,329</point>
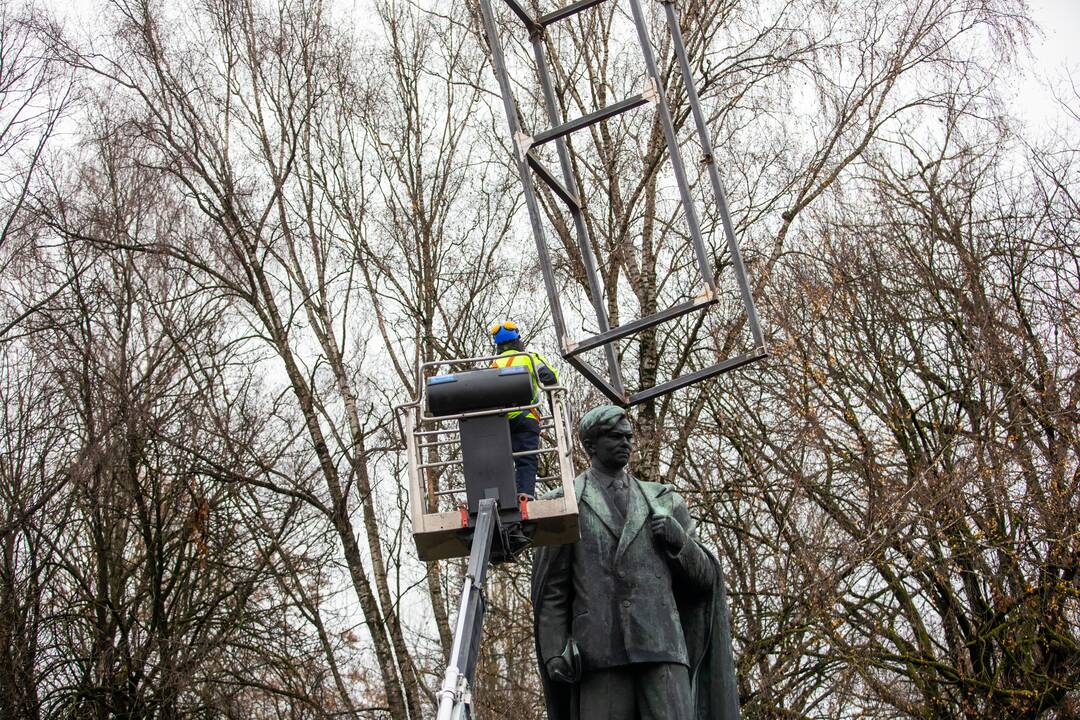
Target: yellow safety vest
<point>522,357</point>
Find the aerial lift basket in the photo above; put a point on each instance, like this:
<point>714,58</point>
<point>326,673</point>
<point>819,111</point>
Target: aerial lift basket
<point>442,503</point>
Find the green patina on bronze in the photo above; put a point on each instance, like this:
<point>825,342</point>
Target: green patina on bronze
<point>599,419</point>
<point>637,606</point>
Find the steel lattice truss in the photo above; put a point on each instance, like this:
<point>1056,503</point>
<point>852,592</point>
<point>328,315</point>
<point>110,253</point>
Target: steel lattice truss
<point>566,190</point>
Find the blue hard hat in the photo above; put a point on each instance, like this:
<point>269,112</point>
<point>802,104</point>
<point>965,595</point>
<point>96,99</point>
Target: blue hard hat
<point>504,332</point>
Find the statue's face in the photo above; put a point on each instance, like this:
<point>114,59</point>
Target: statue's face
<point>611,451</point>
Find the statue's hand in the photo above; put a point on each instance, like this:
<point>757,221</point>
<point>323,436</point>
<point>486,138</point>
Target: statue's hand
<point>558,669</point>
<point>667,530</point>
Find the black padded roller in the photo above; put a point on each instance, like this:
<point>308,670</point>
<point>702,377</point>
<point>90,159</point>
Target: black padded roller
<point>479,390</point>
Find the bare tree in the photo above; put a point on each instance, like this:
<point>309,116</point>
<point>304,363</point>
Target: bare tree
<point>268,221</point>
<point>238,124</point>
<point>132,577</point>
<point>35,89</point>
<point>30,491</point>
<point>918,501</point>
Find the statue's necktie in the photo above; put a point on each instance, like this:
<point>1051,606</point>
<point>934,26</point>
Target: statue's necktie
<point>618,494</point>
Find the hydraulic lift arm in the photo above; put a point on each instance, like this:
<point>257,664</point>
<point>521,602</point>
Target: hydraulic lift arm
<point>455,696</point>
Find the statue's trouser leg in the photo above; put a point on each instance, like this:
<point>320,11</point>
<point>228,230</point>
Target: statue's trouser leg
<point>608,695</point>
<point>663,692</point>
<point>644,691</point>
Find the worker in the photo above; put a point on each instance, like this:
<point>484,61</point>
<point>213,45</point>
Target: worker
<point>524,425</point>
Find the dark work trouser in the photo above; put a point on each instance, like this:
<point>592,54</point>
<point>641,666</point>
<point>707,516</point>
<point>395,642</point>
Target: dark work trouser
<point>644,691</point>
<point>525,435</point>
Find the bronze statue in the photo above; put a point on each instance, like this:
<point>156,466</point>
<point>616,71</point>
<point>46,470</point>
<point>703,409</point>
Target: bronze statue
<point>631,621</point>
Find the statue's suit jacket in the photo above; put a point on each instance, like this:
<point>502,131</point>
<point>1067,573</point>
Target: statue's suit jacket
<point>614,591</point>
<point>624,600</point>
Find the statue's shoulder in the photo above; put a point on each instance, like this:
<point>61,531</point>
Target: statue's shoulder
<point>557,493</point>
<point>656,489</point>
<point>661,493</point>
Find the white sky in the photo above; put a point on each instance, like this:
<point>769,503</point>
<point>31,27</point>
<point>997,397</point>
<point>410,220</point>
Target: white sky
<point>1055,51</point>
<point>1060,21</point>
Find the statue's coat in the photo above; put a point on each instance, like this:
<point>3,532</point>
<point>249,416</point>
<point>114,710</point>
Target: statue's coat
<point>620,555</point>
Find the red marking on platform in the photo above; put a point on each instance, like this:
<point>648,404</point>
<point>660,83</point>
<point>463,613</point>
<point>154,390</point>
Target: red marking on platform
<point>464,517</point>
<point>524,509</point>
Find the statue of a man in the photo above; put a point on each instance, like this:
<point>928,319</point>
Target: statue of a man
<point>631,621</point>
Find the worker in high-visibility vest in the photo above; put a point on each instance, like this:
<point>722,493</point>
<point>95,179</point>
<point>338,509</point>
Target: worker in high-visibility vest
<point>524,425</point>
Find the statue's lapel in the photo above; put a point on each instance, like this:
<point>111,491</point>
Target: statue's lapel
<point>595,498</point>
<point>637,512</point>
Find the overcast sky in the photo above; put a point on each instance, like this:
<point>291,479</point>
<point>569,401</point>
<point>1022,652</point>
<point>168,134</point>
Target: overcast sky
<point>1056,51</point>
<point>1060,20</point>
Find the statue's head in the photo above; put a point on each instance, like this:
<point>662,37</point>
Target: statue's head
<point>607,436</point>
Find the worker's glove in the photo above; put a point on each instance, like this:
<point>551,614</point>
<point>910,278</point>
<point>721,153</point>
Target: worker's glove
<point>668,531</point>
<point>558,669</point>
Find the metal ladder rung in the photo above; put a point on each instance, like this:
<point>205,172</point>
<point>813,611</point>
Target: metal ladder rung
<point>444,463</point>
<point>541,451</point>
<point>439,443</point>
<point>592,118</point>
<point>562,13</point>
<point>557,187</point>
<point>522,14</point>
<point>436,432</point>
<point>644,323</point>
<point>698,376</point>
